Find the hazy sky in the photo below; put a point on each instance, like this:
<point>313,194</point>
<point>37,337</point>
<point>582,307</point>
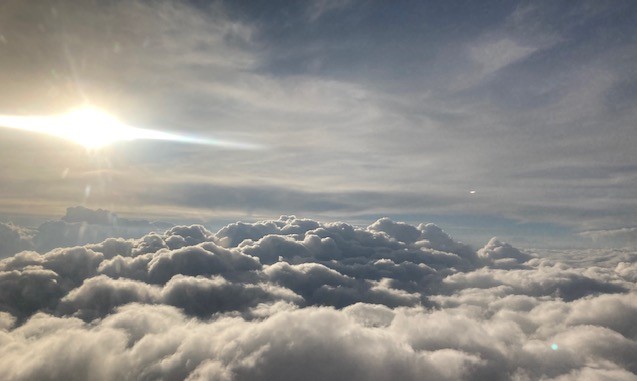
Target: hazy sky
<point>232,229</point>
<point>361,109</point>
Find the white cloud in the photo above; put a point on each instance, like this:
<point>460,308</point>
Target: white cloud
<point>492,108</point>
<point>318,8</point>
<point>329,300</point>
<point>490,56</point>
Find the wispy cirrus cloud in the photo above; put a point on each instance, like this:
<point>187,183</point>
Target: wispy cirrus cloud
<point>525,104</point>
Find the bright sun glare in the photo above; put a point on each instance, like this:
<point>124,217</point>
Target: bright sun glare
<point>91,128</point>
<point>86,126</point>
<point>95,129</point>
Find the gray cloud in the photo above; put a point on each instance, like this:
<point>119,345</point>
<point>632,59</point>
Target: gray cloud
<point>485,112</point>
<point>14,239</point>
<point>623,236</point>
<point>296,298</point>
<point>80,226</point>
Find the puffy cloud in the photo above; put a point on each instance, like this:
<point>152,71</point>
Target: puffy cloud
<point>398,230</point>
<point>28,291</point>
<point>83,214</point>
<point>180,236</point>
<point>627,270</point>
<point>502,254</point>
<point>99,295</point>
<point>14,239</point>
<point>292,298</point>
<point>545,279</point>
<point>204,259</point>
<point>321,285</point>
<point>233,234</point>
<point>80,226</point>
<point>205,296</point>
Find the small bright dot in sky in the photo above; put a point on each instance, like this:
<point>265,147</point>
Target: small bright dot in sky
<point>554,347</point>
<point>472,192</point>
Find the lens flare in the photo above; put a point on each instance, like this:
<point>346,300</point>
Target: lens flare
<point>94,129</point>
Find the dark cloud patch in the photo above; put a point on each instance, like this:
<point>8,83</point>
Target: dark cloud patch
<point>99,295</point>
<point>267,198</point>
<point>203,297</point>
<point>204,259</point>
<point>294,298</point>
<point>544,280</point>
<point>73,264</point>
<point>30,290</point>
<point>320,285</point>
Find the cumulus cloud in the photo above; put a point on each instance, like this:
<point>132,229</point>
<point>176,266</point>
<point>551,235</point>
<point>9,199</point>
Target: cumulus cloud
<point>502,254</point>
<point>14,239</point>
<point>79,226</point>
<point>295,298</point>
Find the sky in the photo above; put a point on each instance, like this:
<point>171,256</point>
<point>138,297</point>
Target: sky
<point>491,118</point>
<point>346,190</point>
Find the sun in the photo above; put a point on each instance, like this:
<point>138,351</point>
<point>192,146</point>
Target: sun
<point>87,126</point>
<point>94,128</point>
<point>91,128</point>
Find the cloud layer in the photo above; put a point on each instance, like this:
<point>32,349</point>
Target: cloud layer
<point>296,298</point>
<point>79,226</point>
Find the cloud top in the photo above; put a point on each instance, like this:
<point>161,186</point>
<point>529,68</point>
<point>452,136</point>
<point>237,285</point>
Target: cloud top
<point>295,298</point>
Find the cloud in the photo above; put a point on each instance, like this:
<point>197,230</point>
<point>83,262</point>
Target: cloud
<point>297,298</point>
<point>81,226</point>
<point>503,254</point>
<point>507,102</point>
<point>14,239</point>
<point>541,279</point>
<point>517,92</point>
<point>490,56</point>
<point>625,236</point>
<point>318,8</point>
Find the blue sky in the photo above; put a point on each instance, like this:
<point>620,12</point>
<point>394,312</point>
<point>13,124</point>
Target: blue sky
<point>361,108</point>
